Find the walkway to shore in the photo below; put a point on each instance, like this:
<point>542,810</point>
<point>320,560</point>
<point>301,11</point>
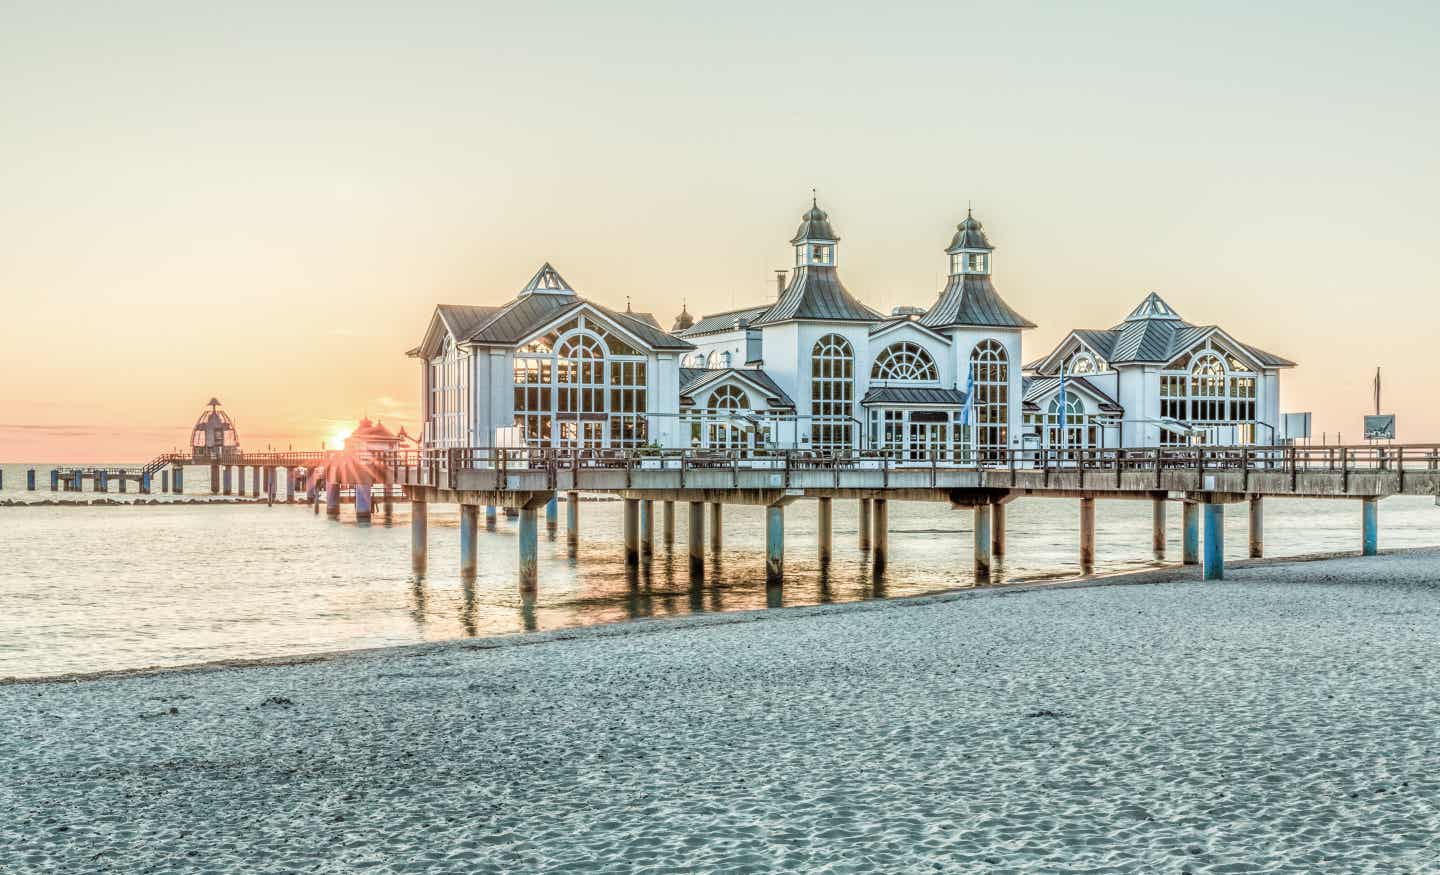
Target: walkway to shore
<point>1285,718</point>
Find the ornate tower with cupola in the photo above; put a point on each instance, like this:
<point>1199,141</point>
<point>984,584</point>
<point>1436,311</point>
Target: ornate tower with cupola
<point>815,242</point>
<point>970,250</point>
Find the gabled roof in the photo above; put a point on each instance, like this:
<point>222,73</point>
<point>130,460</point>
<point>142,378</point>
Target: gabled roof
<point>718,322</point>
<point>694,380</point>
<point>971,299</point>
<point>816,293</point>
<point>547,280</point>
<point>521,317</point>
<point>900,322</point>
<point>1153,333</point>
<point>1043,387</point>
<point>913,395</point>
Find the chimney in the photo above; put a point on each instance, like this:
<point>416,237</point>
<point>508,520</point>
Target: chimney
<point>779,283</point>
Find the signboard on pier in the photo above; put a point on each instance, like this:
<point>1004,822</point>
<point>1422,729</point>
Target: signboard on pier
<point>1380,428</point>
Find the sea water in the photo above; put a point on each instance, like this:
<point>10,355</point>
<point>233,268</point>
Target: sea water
<point>90,588</point>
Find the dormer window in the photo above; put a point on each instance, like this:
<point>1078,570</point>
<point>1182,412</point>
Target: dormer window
<point>978,262</point>
<point>821,253</point>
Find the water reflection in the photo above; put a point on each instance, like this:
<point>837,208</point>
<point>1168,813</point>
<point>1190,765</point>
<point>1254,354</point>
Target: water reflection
<point>280,581</point>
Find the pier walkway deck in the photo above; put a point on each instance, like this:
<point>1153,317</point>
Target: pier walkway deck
<point>1198,478</point>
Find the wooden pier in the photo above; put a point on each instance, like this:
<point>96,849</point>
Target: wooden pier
<point>1201,480</point>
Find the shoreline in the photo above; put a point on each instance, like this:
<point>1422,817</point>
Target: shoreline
<point>1169,573</point>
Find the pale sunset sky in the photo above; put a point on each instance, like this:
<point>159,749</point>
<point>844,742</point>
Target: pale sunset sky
<point>265,201</point>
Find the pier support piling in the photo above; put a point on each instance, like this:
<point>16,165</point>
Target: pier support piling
<point>178,481</point>
<point>823,513</point>
<point>863,524</point>
<point>668,514</point>
<point>647,528</point>
<point>389,496</point>
<point>1214,567</point>
<point>270,485</point>
<point>552,513</point>
<point>997,531</point>
<point>1369,526</point>
<point>165,480</point>
<point>716,526</point>
<point>30,480</point>
<point>145,482</point>
<point>1190,533</point>
<point>254,481</point>
<point>364,503</point>
<point>54,480</point>
<point>332,500</point>
<point>632,532</point>
<point>1257,527</point>
<point>469,539</point>
<point>124,483</point>
<point>774,543</point>
<point>572,516</point>
<point>529,538</point>
<point>984,540</point>
<point>1087,536</point>
<point>419,535</point>
<point>228,481</point>
<point>490,516</point>
<point>696,536</point>
<point>214,479</point>
<point>879,533</point>
<point>1157,528</point>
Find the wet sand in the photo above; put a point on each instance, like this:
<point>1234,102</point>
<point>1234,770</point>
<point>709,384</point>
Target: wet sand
<point>1284,720</point>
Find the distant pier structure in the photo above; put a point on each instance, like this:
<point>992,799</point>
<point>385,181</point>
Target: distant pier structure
<point>273,475</point>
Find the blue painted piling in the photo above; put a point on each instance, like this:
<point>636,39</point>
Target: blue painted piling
<point>1190,533</point>
<point>1369,526</point>
<point>179,481</point>
<point>227,478</point>
<point>1214,542</point>
<point>489,516</point>
<point>54,480</point>
<point>332,499</point>
<point>364,502</point>
<point>30,480</point>
<point>102,481</point>
<point>529,550</point>
<point>552,513</point>
<point>145,479</point>
<point>774,543</point>
<point>572,516</point>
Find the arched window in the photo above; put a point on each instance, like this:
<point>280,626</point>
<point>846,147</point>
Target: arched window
<point>1080,364</point>
<point>713,361</point>
<point>904,361</point>
<point>832,394</point>
<point>1201,389</point>
<point>724,429</point>
<point>728,398</point>
<point>1073,430</point>
<point>990,422</point>
<point>591,390</point>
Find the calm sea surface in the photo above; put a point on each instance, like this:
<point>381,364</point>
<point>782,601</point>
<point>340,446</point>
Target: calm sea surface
<point>95,588</point>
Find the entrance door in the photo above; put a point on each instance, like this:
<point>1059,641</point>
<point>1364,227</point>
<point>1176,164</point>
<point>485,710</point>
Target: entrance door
<point>927,441</point>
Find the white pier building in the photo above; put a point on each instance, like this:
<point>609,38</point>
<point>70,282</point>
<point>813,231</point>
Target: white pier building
<point>817,369</point>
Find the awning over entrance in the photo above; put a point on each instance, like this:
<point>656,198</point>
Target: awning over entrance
<point>932,395</point>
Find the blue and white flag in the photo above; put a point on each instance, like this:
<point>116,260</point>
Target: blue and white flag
<point>969,397</point>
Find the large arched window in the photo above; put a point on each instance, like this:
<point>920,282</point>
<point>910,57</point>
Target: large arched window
<point>1074,430</point>
<point>1211,388</point>
<point>904,361</point>
<point>832,394</point>
<point>990,423</point>
<point>724,430</point>
<point>581,385</point>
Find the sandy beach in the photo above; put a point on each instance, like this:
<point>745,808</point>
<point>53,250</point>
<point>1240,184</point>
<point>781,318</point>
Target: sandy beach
<point>1284,720</point>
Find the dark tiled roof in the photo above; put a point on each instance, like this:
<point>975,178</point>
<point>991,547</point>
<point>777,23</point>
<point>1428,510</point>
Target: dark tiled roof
<point>1269,359</point>
<point>1042,387</point>
<point>522,316</point>
<point>970,234</point>
<point>693,380</point>
<point>814,225</point>
<point>913,395</point>
<point>817,293</point>
<point>971,299</point>
<point>462,319</point>
<point>717,322</point>
<point>1103,342</point>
